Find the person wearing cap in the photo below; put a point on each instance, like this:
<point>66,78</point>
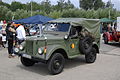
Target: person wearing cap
<point>21,35</point>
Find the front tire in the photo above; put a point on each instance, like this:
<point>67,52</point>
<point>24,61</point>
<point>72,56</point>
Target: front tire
<point>56,63</point>
<point>27,62</point>
<point>91,56</point>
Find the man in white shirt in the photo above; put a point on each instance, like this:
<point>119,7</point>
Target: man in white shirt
<point>21,35</point>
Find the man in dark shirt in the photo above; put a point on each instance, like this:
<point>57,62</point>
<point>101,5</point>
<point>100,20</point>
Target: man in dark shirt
<point>10,31</point>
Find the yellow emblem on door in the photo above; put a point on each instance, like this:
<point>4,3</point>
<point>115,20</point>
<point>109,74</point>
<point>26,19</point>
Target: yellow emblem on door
<point>72,45</point>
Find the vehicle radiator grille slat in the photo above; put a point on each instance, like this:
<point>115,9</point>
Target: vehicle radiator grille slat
<point>29,47</point>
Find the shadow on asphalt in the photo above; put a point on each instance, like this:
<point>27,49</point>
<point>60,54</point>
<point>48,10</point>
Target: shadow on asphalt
<point>41,68</point>
<point>114,44</point>
<point>72,63</point>
<point>38,68</point>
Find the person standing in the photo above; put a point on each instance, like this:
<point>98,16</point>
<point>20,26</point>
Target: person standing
<point>109,27</point>
<point>3,35</point>
<point>10,31</point>
<point>21,35</point>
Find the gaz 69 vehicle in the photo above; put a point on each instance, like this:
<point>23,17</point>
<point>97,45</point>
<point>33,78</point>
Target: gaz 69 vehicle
<point>63,38</point>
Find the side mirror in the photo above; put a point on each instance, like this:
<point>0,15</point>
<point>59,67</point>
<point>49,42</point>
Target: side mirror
<point>66,37</point>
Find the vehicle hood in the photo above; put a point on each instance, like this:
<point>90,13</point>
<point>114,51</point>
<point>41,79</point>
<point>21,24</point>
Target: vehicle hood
<point>48,37</point>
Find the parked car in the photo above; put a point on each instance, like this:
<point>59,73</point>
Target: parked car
<point>69,38</point>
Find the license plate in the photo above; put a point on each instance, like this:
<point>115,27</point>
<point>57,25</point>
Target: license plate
<point>27,56</point>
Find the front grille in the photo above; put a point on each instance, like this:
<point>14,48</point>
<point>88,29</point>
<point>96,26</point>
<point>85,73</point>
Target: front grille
<point>29,47</point>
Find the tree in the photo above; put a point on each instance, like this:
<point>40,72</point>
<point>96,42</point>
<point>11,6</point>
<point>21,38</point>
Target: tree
<point>69,5</point>
<point>91,4</point>
<point>20,13</point>
<point>5,13</point>
<point>4,4</point>
<point>109,4</point>
<point>60,5</point>
<point>35,6</point>
<point>16,5</point>
<point>46,6</point>
<point>55,14</point>
<point>61,9</point>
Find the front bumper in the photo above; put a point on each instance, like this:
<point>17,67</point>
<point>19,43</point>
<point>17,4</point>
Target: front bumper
<point>31,57</point>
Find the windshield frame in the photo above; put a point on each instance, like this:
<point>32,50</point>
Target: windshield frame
<point>56,30</point>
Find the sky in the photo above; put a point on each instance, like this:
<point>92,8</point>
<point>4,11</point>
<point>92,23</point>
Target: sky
<point>75,2</point>
<point>116,3</point>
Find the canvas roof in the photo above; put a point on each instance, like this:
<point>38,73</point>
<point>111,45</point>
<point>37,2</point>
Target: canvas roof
<point>92,25</point>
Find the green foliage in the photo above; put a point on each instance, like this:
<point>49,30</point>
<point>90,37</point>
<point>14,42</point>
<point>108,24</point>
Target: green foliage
<point>4,4</point>
<point>109,4</point>
<point>46,6</point>
<point>91,4</point>
<point>95,14</point>
<point>16,5</point>
<point>22,14</point>
<point>35,6</point>
<point>62,9</point>
<point>71,13</point>
<point>5,13</point>
<point>55,14</point>
<point>62,5</point>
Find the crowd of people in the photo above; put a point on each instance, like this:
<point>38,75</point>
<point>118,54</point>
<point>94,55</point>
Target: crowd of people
<point>110,27</point>
<point>12,34</point>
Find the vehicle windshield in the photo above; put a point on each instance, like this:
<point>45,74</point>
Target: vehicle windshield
<point>57,27</point>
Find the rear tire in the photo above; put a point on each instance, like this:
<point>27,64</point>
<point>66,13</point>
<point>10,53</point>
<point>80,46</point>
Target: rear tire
<point>27,62</point>
<point>56,63</point>
<point>91,56</point>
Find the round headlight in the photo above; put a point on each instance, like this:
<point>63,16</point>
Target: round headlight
<point>16,50</point>
<point>21,47</point>
<point>40,51</point>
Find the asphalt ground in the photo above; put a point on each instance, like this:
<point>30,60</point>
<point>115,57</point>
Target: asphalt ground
<point>106,67</point>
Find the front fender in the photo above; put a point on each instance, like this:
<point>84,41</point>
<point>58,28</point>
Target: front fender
<point>52,48</point>
<point>96,46</point>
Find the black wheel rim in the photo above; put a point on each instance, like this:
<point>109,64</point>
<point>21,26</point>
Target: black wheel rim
<point>57,64</point>
<point>92,56</point>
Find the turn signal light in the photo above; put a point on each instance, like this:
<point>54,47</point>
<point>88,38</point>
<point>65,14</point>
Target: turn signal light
<point>45,50</point>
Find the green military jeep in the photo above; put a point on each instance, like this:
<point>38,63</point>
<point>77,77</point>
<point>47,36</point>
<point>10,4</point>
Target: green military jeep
<point>61,39</point>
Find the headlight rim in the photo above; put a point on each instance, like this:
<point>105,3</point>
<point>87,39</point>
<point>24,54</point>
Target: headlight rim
<point>16,50</point>
<point>21,47</point>
<point>40,51</point>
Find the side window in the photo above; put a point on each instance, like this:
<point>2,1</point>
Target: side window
<point>79,29</point>
<point>73,31</point>
<point>76,31</point>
